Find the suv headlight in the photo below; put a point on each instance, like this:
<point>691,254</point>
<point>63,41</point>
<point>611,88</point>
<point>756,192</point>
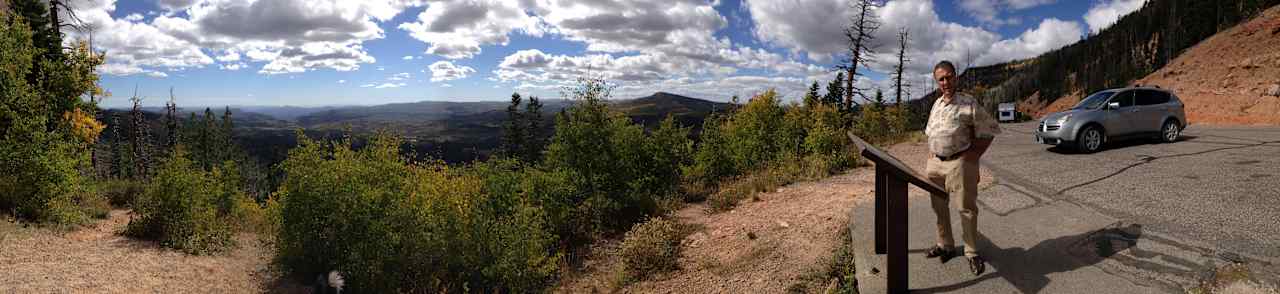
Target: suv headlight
<point>1064,118</point>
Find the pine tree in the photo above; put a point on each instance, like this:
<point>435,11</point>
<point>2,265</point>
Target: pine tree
<point>44,25</point>
<point>208,139</point>
<point>227,144</point>
<point>834,91</point>
<point>513,134</point>
<point>812,98</point>
<point>533,130</point>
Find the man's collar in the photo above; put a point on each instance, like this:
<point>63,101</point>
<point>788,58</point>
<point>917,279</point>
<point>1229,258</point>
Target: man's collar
<point>953,99</point>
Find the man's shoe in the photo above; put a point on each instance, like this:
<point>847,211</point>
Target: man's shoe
<point>977,265</point>
<point>942,254</point>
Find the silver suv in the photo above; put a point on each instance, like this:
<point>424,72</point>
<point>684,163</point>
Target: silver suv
<point>1114,114</point>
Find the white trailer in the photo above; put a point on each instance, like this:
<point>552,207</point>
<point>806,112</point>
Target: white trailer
<point>1006,112</point>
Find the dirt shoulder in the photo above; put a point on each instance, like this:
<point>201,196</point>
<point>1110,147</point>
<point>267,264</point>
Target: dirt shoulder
<point>795,233</point>
<point>96,259</point>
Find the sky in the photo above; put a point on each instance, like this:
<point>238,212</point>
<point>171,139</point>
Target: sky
<point>367,52</point>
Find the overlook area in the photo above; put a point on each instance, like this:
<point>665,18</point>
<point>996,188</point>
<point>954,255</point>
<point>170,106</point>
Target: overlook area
<point>632,146</point>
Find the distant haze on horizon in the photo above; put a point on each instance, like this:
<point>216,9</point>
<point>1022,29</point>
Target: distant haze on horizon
<point>335,52</point>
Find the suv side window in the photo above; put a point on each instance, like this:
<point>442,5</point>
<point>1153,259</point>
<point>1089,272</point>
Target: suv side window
<point>1151,97</point>
<point>1125,99</point>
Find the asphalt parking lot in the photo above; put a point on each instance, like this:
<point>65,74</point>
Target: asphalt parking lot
<point>1216,191</point>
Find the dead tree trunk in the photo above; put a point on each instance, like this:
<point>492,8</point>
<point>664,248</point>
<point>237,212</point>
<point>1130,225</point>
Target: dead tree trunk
<point>899,81</point>
<point>859,36</point>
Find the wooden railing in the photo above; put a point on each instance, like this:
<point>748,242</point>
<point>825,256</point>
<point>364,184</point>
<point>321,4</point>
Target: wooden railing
<point>892,178</point>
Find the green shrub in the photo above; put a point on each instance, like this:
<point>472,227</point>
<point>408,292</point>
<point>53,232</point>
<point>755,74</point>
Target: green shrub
<point>763,146</point>
<point>882,123</point>
<point>186,208</point>
<point>45,128</point>
<point>619,173</point>
<point>649,248</point>
<point>121,192</point>
<point>388,225</point>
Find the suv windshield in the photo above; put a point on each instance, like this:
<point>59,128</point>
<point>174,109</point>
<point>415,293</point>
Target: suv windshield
<point>1094,101</point>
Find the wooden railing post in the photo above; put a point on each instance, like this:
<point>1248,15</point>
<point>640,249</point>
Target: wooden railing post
<point>890,224</point>
<point>882,181</point>
<point>896,213</point>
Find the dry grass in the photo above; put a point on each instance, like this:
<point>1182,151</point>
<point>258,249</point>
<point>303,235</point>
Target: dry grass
<point>97,259</point>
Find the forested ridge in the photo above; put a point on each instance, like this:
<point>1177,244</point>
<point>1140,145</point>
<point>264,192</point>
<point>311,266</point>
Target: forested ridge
<point>1136,45</point>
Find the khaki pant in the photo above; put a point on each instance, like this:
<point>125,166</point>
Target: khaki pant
<point>960,178</point>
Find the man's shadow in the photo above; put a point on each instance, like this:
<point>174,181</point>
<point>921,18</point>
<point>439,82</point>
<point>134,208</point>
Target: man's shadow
<point>1028,269</point>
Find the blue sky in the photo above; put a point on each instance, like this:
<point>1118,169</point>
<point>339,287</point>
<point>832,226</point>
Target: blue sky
<point>338,52</point>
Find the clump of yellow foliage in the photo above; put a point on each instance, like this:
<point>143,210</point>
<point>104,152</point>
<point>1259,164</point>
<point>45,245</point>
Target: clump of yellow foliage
<point>83,125</point>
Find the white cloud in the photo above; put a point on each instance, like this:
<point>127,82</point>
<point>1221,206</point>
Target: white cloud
<point>814,27</point>
<point>456,29</point>
<point>233,66</point>
<point>133,47</point>
<point>389,85</point>
<point>446,86</point>
<point>1051,34</point>
<point>990,12</point>
<point>120,69</point>
<point>447,71</point>
<point>229,57</point>
<point>288,35</point>
<point>342,81</point>
<point>399,77</point>
<point>407,57</point>
<point>635,25</point>
<point>1104,14</point>
<point>932,39</point>
<point>176,4</point>
<point>157,74</point>
<point>1024,4</point>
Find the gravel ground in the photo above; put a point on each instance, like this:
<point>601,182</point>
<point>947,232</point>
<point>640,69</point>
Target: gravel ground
<point>96,259</point>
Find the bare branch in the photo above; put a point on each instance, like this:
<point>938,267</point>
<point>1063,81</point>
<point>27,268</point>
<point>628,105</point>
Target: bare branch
<point>900,83</point>
<point>858,36</point>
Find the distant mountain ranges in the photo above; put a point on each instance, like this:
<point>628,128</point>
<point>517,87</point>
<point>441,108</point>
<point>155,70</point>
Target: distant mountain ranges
<point>451,131</point>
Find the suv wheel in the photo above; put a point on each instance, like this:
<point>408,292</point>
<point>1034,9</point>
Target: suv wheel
<point>1090,140</point>
<point>1170,132</point>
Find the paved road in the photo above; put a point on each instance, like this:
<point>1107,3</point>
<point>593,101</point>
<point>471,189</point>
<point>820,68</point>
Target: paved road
<point>1137,217</point>
<point>1219,186</point>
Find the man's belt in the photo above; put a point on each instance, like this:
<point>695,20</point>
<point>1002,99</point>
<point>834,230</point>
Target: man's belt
<point>953,156</point>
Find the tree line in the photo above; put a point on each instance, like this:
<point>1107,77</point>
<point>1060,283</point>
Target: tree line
<point>1135,46</point>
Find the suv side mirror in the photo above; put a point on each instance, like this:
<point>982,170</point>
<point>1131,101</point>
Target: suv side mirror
<point>1113,105</point>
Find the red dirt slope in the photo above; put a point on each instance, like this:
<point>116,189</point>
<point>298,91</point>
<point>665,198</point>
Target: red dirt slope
<point>1226,78</point>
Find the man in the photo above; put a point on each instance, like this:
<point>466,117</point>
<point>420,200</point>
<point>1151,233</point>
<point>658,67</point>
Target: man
<point>959,131</point>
